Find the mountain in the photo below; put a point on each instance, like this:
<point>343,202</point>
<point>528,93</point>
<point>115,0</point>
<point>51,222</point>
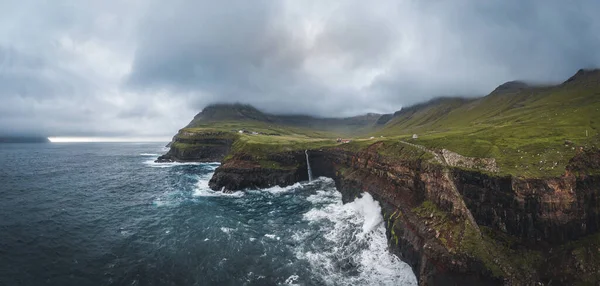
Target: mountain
<point>228,112</point>
<point>23,139</point>
<point>235,114</point>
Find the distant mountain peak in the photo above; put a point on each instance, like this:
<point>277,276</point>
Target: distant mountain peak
<point>510,86</point>
<point>229,111</point>
<point>585,75</point>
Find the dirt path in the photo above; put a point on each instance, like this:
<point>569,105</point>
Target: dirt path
<point>437,156</point>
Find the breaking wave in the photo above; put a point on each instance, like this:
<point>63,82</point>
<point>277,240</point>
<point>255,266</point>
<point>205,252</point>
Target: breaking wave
<point>353,249</point>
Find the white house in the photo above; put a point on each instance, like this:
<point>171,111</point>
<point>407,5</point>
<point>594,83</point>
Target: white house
<point>415,136</point>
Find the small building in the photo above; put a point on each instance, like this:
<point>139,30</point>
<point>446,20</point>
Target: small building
<point>415,136</point>
<point>241,131</point>
<point>346,140</point>
<point>254,133</point>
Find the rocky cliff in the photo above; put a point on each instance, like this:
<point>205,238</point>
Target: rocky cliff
<point>189,146</point>
<point>457,226</point>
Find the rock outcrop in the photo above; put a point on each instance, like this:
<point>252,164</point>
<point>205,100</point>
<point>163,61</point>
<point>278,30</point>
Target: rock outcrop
<point>244,171</point>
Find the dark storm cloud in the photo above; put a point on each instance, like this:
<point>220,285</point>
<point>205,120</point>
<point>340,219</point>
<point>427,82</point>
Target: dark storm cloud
<point>352,57</point>
<point>144,68</point>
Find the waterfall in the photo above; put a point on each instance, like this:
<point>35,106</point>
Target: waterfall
<point>310,175</point>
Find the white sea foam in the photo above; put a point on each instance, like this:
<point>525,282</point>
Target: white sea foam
<point>149,154</point>
<point>291,280</point>
<point>272,236</point>
<point>203,190</point>
<point>227,229</point>
<point>356,238</point>
<point>162,202</point>
<point>279,190</point>
<point>153,164</point>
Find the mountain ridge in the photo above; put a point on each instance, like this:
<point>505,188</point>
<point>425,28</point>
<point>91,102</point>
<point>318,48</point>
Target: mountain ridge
<point>438,107</point>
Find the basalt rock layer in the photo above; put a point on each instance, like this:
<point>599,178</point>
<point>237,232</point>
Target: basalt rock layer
<point>457,226</point>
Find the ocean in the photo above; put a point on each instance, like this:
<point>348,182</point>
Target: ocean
<point>106,214</point>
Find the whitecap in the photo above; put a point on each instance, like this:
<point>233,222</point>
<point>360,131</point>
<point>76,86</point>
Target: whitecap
<point>227,229</point>
<point>149,154</point>
<point>164,203</point>
<point>272,236</point>
<point>279,190</point>
<point>292,280</point>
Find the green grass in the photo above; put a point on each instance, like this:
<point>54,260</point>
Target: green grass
<point>525,131</point>
<point>396,150</point>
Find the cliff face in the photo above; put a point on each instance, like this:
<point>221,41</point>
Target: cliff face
<point>244,171</point>
<point>198,147</point>
<point>457,226</point>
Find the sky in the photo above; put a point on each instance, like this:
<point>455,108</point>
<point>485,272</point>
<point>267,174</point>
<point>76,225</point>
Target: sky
<point>144,68</point>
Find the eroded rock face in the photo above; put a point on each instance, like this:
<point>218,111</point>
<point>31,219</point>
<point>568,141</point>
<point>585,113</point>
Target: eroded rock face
<point>244,171</point>
<point>435,214</point>
<point>548,211</point>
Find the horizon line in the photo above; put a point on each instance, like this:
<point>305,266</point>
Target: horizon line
<point>106,139</point>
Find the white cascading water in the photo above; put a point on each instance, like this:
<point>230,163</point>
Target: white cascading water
<point>310,175</point>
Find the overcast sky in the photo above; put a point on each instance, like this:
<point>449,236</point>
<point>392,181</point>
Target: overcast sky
<point>145,68</point>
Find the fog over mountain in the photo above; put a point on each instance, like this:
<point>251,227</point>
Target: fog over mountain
<point>143,68</point>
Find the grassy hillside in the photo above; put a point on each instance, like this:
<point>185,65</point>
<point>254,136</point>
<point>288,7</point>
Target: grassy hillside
<point>532,131</point>
<point>529,130</point>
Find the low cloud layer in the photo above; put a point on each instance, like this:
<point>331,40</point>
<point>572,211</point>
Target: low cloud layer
<point>144,68</point>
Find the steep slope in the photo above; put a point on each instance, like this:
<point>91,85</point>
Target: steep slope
<point>430,114</point>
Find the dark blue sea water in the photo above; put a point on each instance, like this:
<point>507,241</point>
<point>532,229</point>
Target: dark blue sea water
<point>105,214</point>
